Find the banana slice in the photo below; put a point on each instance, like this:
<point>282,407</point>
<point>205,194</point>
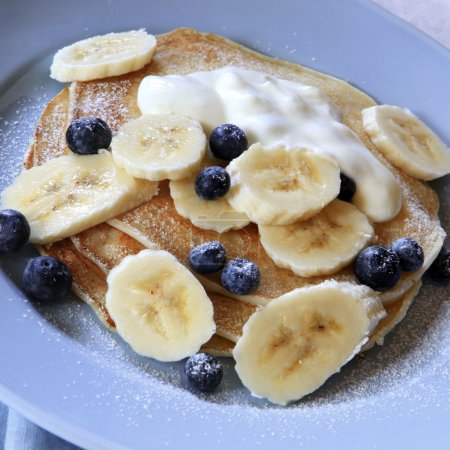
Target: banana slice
<point>160,146</point>
<point>217,215</point>
<point>406,141</point>
<point>158,306</point>
<point>71,193</point>
<point>321,245</point>
<point>289,348</point>
<point>280,185</point>
<point>103,56</point>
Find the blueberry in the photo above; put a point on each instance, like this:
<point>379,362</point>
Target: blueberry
<point>88,135</point>
<point>410,254</point>
<point>208,257</point>
<point>240,276</point>
<point>14,230</point>
<point>227,142</point>
<point>378,268</point>
<point>348,188</point>
<point>204,372</point>
<point>46,279</point>
<point>212,183</point>
<point>440,269</point>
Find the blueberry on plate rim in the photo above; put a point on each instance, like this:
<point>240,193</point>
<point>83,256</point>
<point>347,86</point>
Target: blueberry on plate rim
<point>208,257</point>
<point>46,279</point>
<point>212,183</point>
<point>203,371</point>
<point>377,267</point>
<point>86,136</point>
<point>440,269</point>
<point>410,253</point>
<point>14,230</point>
<point>227,141</point>
<point>240,276</point>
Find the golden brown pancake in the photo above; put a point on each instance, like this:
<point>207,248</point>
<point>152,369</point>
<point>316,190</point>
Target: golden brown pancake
<point>230,315</point>
<point>89,283</point>
<point>396,312</point>
<point>108,246</point>
<point>49,139</point>
<point>156,222</point>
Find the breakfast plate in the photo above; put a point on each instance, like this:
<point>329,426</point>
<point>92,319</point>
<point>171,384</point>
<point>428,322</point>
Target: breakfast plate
<point>64,371</point>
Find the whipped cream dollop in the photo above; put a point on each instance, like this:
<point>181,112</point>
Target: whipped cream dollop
<point>272,111</point>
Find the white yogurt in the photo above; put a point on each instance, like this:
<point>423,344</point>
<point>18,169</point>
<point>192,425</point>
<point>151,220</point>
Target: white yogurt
<point>272,111</point>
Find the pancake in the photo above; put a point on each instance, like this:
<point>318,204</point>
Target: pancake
<point>49,140</point>
<point>156,222</point>
<point>396,312</point>
<point>230,315</point>
<point>89,281</point>
<point>89,284</point>
<point>106,248</point>
<point>91,261</point>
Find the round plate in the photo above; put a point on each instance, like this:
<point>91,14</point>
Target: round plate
<point>63,370</point>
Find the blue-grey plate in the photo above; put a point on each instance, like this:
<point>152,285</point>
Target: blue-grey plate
<point>63,370</point>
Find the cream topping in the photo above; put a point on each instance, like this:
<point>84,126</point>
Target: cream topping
<point>271,111</point>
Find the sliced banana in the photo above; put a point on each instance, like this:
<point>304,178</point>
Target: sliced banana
<point>406,141</point>
<point>158,306</point>
<point>320,245</point>
<point>280,185</point>
<point>71,193</point>
<point>217,215</point>
<point>289,348</point>
<point>103,56</point>
<point>160,146</point>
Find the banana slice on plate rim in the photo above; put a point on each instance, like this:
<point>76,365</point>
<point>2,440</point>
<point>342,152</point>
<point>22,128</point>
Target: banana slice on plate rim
<point>160,309</point>
<point>160,146</point>
<point>103,56</point>
<point>406,141</point>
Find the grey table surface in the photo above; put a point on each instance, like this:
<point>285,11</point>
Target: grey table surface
<point>432,16</point>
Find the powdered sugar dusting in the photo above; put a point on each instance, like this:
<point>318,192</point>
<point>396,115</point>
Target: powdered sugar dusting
<point>101,99</point>
<point>410,369</point>
<point>407,377</point>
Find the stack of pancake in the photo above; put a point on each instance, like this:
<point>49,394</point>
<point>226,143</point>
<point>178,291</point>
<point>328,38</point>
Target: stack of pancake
<point>91,254</point>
